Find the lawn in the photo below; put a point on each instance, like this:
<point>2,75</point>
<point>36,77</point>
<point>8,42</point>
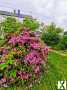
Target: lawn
<point>56,70</point>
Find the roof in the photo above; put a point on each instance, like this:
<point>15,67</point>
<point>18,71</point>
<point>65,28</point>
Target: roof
<point>12,14</point>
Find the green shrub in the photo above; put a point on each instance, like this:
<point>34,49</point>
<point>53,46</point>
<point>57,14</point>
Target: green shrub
<point>63,43</point>
<point>30,23</point>
<point>51,35</point>
<point>10,25</point>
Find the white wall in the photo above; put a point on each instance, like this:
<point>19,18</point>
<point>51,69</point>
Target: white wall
<point>2,17</point>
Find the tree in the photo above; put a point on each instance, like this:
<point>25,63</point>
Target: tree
<point>51,34</point>
<point>10,24</point>
<point>65,33</point>
<point>30,23</point>
<point>63,43</point>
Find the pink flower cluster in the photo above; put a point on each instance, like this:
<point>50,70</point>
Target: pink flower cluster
<point>35,45</point>
<point>3,51</point>
<point>37,69</point>
<point>13,40</point>
<point>20,39</point>
<point>2,81</point>
<point>24,75</point>
<point>33,58</point>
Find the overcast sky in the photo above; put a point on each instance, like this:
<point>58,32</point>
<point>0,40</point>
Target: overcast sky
<point>45,10</point>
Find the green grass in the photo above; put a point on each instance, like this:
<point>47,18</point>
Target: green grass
<point>56,70</point>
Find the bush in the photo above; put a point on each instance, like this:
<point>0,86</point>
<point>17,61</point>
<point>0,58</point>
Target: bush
<point>30,23</point>
<point>51,35</point>
<point>63,43</point>
<point>10,25</point>
<point>50,38</point>
<point>23,63</point>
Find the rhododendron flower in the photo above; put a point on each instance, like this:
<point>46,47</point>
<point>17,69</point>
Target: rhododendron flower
<point>26,37</point>
<point>13,40</point>
<point>14,49</point>
<point>45,50</point>
<point>35,45</point>
<point>3,51</point>
<point>26,33</point>
<point>37,69</point>
<point>33,58</point>
<point>2,81</point>
<point>23,75</point>
<point>20,39</point>
<point>23,39</point>
<point>1,62</point>
<point>11,79</point>
<point>19,73</point>
<point>26,75</point>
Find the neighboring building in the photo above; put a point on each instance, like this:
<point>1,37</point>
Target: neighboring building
<point>18,15</point>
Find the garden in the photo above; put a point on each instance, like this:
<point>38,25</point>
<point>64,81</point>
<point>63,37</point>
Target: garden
<point>26,61</point>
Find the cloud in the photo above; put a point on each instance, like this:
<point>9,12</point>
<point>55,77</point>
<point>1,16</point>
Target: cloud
<point>45,10</point>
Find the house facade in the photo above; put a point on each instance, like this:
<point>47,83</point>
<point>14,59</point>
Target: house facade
<point>18,15</point>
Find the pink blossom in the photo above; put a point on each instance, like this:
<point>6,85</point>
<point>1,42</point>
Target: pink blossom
<point>46,50</point>
<point>33,58</point>
<point>20,39</point>
<point>11,79</point>
<point>1,62</point>
<point>37,69</point>
<point>14,49</point>
<point>13,40</point>
<point>2,81</point>
<point>3,51</point>
<point>24,75</point>
<point>26,33</point>
<point>35,45</point>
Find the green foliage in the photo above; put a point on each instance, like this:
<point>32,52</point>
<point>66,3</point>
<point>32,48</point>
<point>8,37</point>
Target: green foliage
<point>3,66</point>
<point>50,38</point>
<point>63,43</point>
<point>65,33</point>
<point>13,73</point>
<point>2,34</point>
<point>51,34</point>
<point>30,23</point>
<point>9,61</point>
<point>2,41</point>
<point>10,24</point>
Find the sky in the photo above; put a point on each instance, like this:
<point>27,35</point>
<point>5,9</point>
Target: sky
<point>45,10</point>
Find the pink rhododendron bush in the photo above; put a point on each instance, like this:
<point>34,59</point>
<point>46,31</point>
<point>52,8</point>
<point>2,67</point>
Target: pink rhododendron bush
<point>22,59</point>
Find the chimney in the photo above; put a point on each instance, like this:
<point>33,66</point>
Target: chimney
<point>18,12</point>
<point>14,12</point>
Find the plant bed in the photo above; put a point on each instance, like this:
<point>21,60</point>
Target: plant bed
<point>23,63</point>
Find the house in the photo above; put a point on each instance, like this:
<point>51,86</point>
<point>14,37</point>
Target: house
<point>18,15</point>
